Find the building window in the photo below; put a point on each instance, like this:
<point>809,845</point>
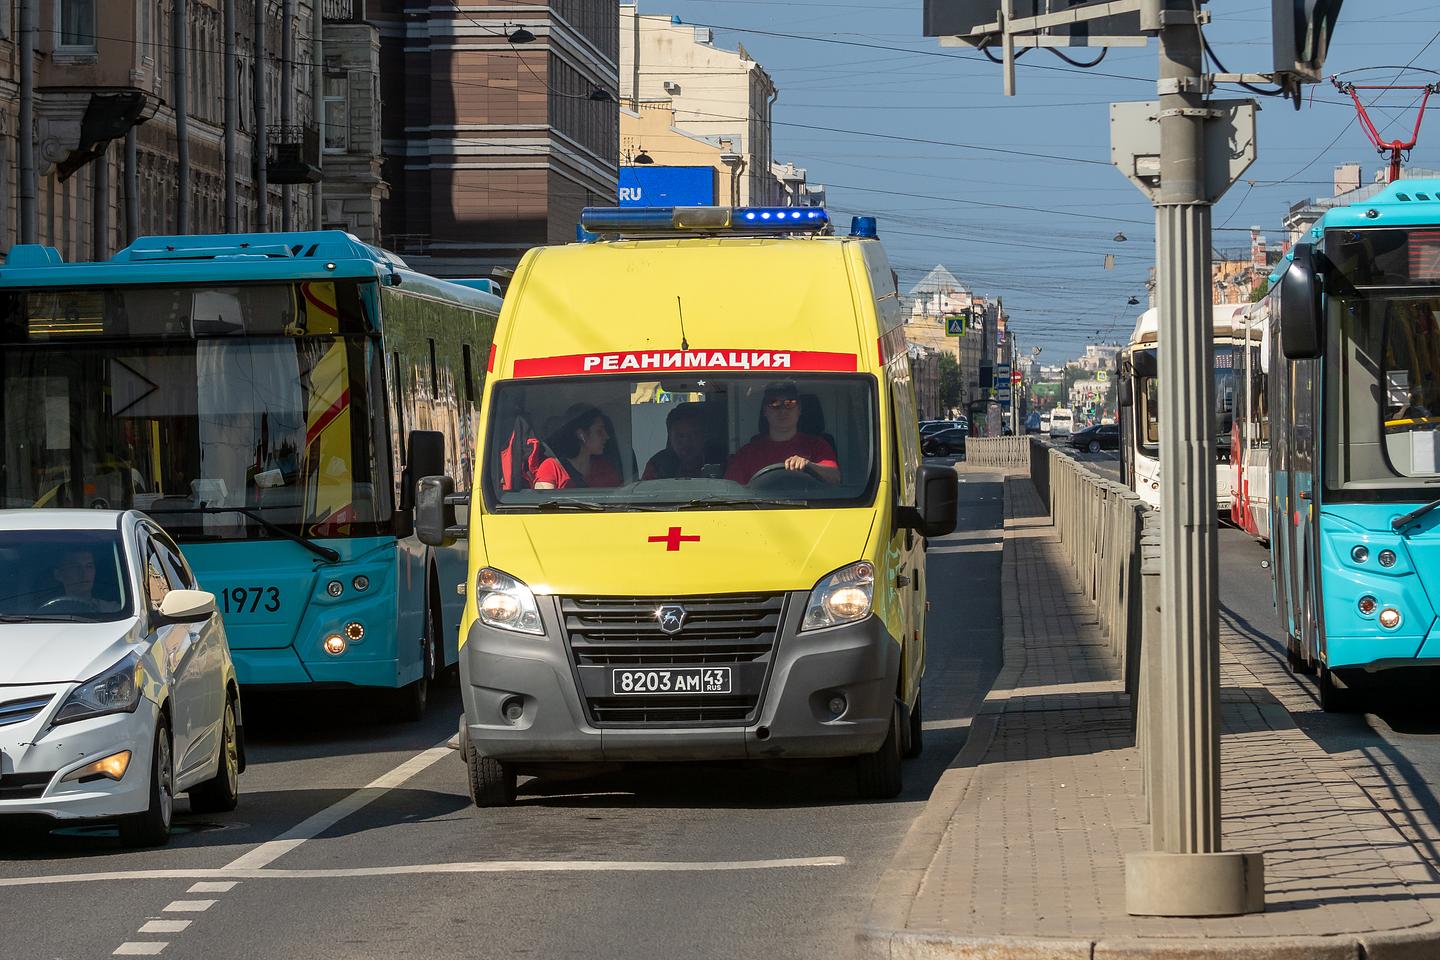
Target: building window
<point>77,23</point>
<point>337,113</point>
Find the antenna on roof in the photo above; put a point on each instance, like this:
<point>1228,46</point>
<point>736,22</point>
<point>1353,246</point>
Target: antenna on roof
<point>680,309</point>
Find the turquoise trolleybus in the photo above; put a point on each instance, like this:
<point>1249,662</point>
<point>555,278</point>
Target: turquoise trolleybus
<point>1353,343</point>
<point>271,400</point>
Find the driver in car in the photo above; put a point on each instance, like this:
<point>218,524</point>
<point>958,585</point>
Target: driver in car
<point>783,445</point>
<point>76,575</point>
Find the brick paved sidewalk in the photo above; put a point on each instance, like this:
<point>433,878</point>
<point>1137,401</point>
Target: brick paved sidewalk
<point>1020,850</point>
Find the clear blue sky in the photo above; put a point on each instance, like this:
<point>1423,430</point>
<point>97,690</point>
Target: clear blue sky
<point>857,118</point>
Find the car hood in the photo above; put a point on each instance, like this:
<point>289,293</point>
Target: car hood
<point>38,653</point>
<point>714,551</point>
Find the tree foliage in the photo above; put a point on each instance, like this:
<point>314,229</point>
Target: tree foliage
<point>949,382</point>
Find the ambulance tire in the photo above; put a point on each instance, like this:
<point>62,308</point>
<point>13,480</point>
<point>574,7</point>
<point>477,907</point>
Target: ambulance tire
<point>492,783</point>
<point>916,742</point>
<point>877,775</point>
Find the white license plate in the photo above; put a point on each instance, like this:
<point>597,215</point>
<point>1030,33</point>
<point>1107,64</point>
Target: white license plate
<point>676,680</point>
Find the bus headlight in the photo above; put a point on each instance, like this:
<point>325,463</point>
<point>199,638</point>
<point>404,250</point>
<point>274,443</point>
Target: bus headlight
<point>843,597</point>
<point>506,603</point>
<point>1389,618</point>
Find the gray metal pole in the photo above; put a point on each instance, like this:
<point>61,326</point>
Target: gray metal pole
<point>287,99</point>
<point>317,192</point>
<point>180,37</point>
<point>1189,875</point>
<point>262,119</point>
<point>29,229</point>
<point>100,203</point>
<point>232,118</point>
<point>132,185</point>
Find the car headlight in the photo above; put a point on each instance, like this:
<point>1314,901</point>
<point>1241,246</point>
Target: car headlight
<point>506,603</point>
<point>117,690</point>
<point>843,597</point>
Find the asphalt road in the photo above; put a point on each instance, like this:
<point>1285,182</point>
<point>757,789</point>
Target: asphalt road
<point>356,839</point>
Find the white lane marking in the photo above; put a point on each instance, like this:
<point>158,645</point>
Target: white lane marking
<point>189,906</point>
<point>967,548</point>
<point>165,926</point>
<point>212,886</point>
<point>267,853</point>
<point>140,948</point>
<point>945,724</point>
<point>482,866</point>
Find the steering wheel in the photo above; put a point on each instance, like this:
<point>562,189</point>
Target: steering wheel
<point>776,475</point>
<point>76,603</point>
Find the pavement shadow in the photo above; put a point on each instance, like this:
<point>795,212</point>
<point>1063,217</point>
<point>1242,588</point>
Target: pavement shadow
<point>325,723</point>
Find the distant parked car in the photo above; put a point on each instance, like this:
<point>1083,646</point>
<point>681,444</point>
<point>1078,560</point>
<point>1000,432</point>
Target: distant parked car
<point>929,427</point>
<point>945,443</point>
<point>117,691</point>
<point>1097,438</point>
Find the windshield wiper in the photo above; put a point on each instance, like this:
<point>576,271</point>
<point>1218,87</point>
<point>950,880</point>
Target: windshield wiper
<point>275,528</point>
<point>583,505</point>
<point>1413,515</point>
<point>706,503</point>
<point>46,618</point>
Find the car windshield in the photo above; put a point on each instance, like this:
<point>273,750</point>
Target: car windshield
<point>63,575</point>
<point>738,441</point>
<point>1383,424</point>
<point>225,412</point>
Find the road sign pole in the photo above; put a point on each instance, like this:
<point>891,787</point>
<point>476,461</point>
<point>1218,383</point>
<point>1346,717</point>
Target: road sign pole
<point>1187,874</point>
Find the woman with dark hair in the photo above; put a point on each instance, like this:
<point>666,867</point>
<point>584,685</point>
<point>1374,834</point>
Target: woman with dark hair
<point>579,447</point>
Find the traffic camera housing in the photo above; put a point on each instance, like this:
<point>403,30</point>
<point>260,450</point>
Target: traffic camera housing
<point>1302,31</point>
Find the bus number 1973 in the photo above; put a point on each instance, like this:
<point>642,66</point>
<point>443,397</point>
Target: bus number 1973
<point>251,599</point>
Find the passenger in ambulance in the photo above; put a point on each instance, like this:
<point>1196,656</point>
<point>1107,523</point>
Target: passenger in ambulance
<point>684,453</point>
<point>579,448</point>
<point>783,446</point>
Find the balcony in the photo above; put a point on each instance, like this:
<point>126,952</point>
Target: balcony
<point>342,11</point>
<point>294,155</point>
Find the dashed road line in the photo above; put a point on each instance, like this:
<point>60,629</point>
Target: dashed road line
<point>212,886</point>
<point>188,906</point>
<point>165,926</point>
<point>140,948</point>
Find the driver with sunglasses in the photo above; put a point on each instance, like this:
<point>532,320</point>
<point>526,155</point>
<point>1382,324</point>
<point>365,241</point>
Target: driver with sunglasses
<point>783,444</point>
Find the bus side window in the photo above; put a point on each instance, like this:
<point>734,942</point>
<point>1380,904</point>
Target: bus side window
<point>469,375</point>
<point>434,373</point>
<point>399,404</point>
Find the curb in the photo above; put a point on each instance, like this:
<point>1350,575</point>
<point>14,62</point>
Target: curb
<point>883,936</point>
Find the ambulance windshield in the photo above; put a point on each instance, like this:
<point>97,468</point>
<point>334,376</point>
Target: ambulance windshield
<point>697,442</point>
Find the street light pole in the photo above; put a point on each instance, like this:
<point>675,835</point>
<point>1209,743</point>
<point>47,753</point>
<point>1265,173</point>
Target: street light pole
<point>1187,875</point>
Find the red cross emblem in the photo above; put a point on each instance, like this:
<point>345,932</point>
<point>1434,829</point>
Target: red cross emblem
<point>673,539</point>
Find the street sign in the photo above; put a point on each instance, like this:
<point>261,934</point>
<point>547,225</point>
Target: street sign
<point>1058,23</point>
<point>954,326</point>
<point>1229,143</point>
<point>1102,376</point>
<point>1017,377</point>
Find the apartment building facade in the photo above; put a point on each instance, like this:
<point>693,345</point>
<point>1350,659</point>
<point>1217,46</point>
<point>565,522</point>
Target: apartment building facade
<point>502,123</point>
<point>113,156</point>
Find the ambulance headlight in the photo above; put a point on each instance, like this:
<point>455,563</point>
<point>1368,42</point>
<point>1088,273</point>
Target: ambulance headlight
<point>506,603</point>
<point>843,597</point>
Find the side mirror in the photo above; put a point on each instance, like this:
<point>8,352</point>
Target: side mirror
<point>1126,394</point>
<point>1301,321</point>
<point>937,490</point>
<point>186,606</point>
<point>424,457</point>
<point>435,513</point>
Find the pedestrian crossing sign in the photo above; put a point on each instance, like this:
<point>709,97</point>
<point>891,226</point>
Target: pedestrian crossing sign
<point>954,326</point>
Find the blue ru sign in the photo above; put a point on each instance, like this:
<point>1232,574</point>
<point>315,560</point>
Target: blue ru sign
<point>654,186</point>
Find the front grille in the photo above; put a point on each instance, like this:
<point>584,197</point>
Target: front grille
<point>738,631</point>
<point>18,711</point>
<point>24,786</point>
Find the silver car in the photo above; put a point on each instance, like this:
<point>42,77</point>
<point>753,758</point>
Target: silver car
<point>117,692</point>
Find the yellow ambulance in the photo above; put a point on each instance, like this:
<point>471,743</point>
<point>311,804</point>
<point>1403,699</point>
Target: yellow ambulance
<point>698,516</point>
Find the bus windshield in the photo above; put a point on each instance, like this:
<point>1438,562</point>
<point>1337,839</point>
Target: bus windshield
<point>1383,428</point>
<point>1224,393</point>
<point>216,431</point>
<point>737,441</point>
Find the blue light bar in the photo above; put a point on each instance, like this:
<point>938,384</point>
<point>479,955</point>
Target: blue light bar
<point>710,220</point>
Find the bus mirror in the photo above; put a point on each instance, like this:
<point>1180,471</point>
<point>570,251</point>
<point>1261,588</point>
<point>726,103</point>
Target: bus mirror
<point>1126,394</point>
<point>1301,333</point>
<point>1145,363</point>
<point>937,490</point>
<point>434,512</point>
<point>425,457</point>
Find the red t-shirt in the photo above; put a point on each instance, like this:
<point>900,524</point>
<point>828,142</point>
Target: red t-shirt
<point>757,454</point>
<point>602,474</point>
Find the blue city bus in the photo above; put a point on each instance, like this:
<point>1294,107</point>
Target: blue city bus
<point>271,400</point>
<point>1352,351</point>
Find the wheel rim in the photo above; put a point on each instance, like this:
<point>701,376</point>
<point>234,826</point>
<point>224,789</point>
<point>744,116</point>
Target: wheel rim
<point>163,771</point>
<point>230,752</point>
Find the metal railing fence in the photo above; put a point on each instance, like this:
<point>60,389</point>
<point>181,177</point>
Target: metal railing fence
<point>998,451</point>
